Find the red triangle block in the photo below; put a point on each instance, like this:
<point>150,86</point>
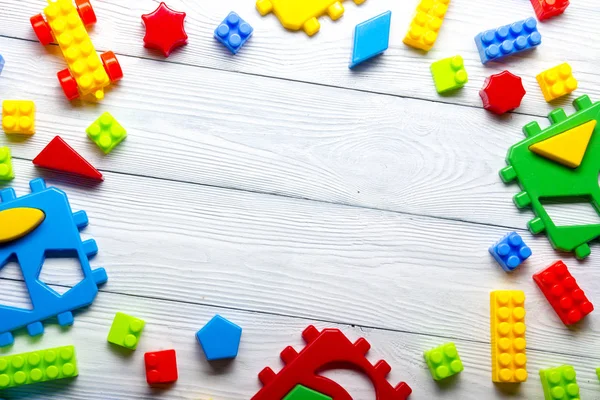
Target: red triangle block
<point>59,156</point>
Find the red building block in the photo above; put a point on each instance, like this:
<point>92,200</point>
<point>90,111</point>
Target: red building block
<point>563,293</point>
<point>59,156</point>
<point>502,92</point>
<point>164,29</point>
<point>161,367</point>
<point>328,349</point>
<point>545,9</point>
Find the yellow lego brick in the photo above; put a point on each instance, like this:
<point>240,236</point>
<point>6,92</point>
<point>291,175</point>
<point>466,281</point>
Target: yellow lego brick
<point>77,48</point>
<point>18,117</point>
<point>557,81</point>
<point>507,312</point>
<point>426,24</point>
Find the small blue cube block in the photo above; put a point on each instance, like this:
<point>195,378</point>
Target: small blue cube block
<point>233,32</point>
<point>510,251</point>
<point>1,63</point>
<point>219,338</point>
<point>508,40</point>
<point>371,38</point>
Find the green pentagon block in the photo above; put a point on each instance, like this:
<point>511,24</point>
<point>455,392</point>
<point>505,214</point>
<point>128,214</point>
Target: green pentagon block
<point>443,361</point>
<point>6,168</point>
<point>559,383</point>
<point>126,331</point>
<point>303,393</point>
<point>449,74</point>
<point>38,366</point>
<point>106,132</point>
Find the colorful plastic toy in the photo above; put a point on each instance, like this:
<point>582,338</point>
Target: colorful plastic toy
<point>560,383</point>
<point>563,293</point>
<point>57,236</point>
<point>219,338</point>
<point>161,367</point>
<point>296,15</point>
<point>106,132</point>
<point>545,176</point>
<point>557,82</point>
<point>18,117</point>
<point>59,156</point>
<point>426,24</point>
<point>165,30</point>
<point>598,373</point>
<point>328,349</point>
<point>233,32</point>
<point>125,331</point>
<point>443,361</point>
<point>1,63</point>
<point>508,336</point>
<point>449,74</point>
<point>6,167</point>
<point>510,251</point>
<point>38,366</point>
<point>502,92</point>
<point>303,393</point>
<point>86,73</point>
<point>545,9</point>
<point>371,38</point>
<point>508,40</point>
<point>18,222</point>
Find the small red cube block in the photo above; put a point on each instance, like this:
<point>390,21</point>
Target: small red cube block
<point>161,367</point>
<point>545,9</point>
<point>563,293</point>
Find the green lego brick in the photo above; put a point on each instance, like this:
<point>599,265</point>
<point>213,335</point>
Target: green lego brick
<point>106,132</point>
<point>126,331</point>
<point>449,74</point>
<point>6,168</point>
<point>38,366</point>
<point>559,383</point>
<point>443,361</point>
<point>303,393</point>
<point>598,373</point>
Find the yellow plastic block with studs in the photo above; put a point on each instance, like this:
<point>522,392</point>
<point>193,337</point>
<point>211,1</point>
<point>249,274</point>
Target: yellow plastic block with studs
<point>426,24</point>
<point>18,117</point>
<point>557,82</point>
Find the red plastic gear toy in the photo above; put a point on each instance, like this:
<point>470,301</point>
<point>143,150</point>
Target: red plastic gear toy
<point>328,349</point>
<point>545,9</point>
<point>164,29</point>
<point>502,92</point>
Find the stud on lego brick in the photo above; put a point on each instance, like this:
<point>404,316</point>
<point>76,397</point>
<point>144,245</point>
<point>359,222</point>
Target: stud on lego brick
<point>510,251</point>
<point>6,167</point>
<point>165,29</point>
<point>125,331</point>
<point>371,38</point>
<point>301,392</point>
<point>219,338</point>
<point>59,156</point>
<point>560,383</point>
<point>426,24</point>
<point>545,9</point>
<point>443,361</point>
<point>233,32</point>
<point>502,92</point>
<point>557,82</point>
<point>18,117</point>
<point>161,367</point>
<point>449,74</point>
<point>18,222</point>
<point>106,132</point>
<point>507,40</point>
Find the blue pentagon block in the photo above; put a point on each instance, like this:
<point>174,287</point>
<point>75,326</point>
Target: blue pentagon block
<point>508,40</point>
<point>371,38</point>
<point>1,63</point>
<point>219,338</point>
<point>510,251</point>
<point>233,32</point>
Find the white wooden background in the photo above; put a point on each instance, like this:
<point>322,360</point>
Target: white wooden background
<point>280,189</point>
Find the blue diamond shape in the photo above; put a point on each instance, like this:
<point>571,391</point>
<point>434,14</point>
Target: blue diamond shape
<point>371,38</point>
<point>219,338</point>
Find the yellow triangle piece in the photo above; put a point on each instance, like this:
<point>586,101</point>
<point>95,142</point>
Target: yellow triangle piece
<point>18,222</point>
<point>567,148</point>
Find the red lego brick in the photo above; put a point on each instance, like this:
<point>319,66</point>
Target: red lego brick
<point>161,367</point>
<point>328,349</point>
<point>545,9</point>
<point>563,293</point>
<point>59,156</point>
<point>164,29</point>
<point>502,92</point>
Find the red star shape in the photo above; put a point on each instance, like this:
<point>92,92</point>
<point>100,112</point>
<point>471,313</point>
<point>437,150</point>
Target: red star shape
<point>502,92</point>
<point>164,29</point>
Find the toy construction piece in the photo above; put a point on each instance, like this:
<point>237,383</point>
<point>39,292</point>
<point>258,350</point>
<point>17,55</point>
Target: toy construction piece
<point>164,29</point>
<point>18,222</point>
<point>59,156</point>
<point>567,148</point>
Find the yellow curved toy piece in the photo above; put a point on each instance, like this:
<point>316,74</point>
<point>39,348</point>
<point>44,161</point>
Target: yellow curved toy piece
<point>18,222</point>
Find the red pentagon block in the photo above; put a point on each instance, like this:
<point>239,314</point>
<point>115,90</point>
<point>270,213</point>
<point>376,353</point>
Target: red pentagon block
<point>161,367</point>
<point>164,29</point>
<point>502,92</point>
<point>545,9</point>
<point>563,293</point>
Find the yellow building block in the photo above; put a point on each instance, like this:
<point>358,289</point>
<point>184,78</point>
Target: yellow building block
<point>426,24</point>
<point>18,117</point>
<point>507,313</point>
<point>567,148</point>
<point>557,81</point>
<point>18,222</point>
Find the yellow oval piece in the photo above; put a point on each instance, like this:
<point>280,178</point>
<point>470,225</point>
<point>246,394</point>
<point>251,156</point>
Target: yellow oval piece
<point>18,222</point>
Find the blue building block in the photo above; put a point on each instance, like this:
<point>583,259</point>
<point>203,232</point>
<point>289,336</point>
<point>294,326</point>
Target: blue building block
<point>1,68</point>
<point>510,251</point>
<point>219,338</point>
<point>371,38</point>
<point>233,32</point>
<point>508,40</point>
<point>56,236</point>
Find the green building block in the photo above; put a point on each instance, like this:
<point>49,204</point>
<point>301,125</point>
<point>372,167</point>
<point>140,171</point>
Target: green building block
<point>106,132</point>
<point>6,168</point>
<point>598,373</point>
<point>303,393</point>
<point>443,361</point>
<point>449,74</point>
<point>126,331</point>
<point>38,366</point>
<point>542,179</point>
<point>559,383</point>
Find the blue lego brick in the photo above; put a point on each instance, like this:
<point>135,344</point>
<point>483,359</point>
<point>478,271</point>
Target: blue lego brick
<point>56,236</point>
<point>1,63</point>
<point>233,32</point>
<point>510,251</point>
<point>371,38</point>
<point>508,40</point>
<point>219,338</point>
